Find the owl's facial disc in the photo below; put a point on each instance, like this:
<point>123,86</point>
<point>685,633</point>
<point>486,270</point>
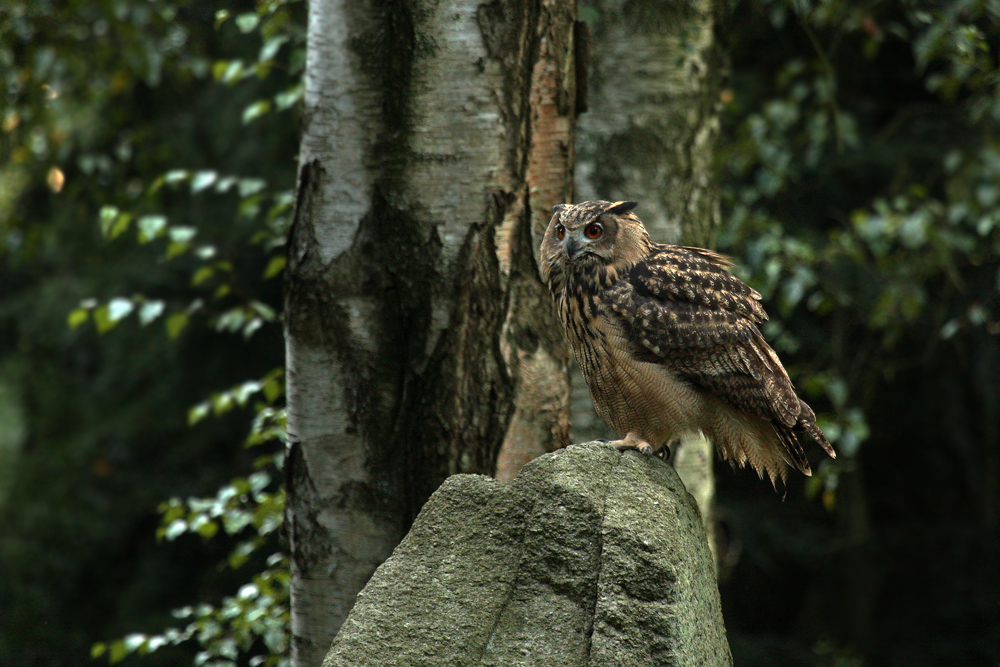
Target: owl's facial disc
<point>586,245</point>
<point>572,248</point>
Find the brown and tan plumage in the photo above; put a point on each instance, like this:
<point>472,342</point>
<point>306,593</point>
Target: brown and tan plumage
<point>668,341</point>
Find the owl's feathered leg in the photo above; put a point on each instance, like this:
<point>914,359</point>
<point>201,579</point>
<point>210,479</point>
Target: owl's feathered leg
<point>633,441</point>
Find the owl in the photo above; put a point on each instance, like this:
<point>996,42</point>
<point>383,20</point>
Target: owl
<point>668,341</point>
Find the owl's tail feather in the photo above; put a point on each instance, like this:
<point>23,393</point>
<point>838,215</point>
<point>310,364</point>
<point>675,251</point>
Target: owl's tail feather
<point>807,422</point>
<point>794,453</point>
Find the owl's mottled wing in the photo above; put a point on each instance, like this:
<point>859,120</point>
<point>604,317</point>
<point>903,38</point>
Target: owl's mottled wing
<point>680,307</point>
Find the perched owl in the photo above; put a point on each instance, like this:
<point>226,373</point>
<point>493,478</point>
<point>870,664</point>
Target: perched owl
<point>668,342</point>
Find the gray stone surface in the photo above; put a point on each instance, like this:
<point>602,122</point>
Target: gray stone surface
<point>590,557</point>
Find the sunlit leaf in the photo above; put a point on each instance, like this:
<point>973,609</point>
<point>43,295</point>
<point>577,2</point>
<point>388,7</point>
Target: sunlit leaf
<point>134,641</point>
<point>232,72</point>
<point>175,176</point>
<point>119,308</point>
<point>288,98</point>
<point>181,234</point>
<point>271,46</point>
<point>247,22</point>
<point>255,110</point>
<point>263,310</point>
<point>175,529</point>
<point>250,186</point>
<point>203,180</point>
<point>150,310</point>
<point>151,227</point>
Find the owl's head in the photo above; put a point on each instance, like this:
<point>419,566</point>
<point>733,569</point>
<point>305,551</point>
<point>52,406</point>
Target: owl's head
<point>592,233</point>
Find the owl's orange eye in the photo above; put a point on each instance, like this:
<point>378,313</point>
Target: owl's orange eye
<point>560,232</point>
<point>594,230</point>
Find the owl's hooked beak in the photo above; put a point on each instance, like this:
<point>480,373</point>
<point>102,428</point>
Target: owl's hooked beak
<point>572,248</point>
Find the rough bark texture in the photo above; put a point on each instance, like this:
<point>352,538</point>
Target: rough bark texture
<point>591,557</point>
<point>434,135</point>
<point>649,135</point>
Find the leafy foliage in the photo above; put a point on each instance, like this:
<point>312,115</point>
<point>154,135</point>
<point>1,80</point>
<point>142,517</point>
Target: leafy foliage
<point>880,256</point>
<point>860,173</point>
<point>197,245</point>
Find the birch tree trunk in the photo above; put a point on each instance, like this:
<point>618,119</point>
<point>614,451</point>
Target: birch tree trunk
<point>649,135</point>
<point>420,341</point>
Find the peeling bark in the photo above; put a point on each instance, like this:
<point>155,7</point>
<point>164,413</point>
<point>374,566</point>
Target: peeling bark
<point>420,341</point>
<point>649,135</point>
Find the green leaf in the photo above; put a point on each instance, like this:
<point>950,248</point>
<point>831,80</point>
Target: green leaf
<point>208,529</point>
<point>273,23</point>
<point>222,402</point>
<point>219,69</point>
<point>274,267</point>
<point>176,324</point>
<point>250,206</point>
<point>151,227</point>
<point>201,275</point>
<point>118,651</point>
<point>113,222</point>
<point>272,388</point>
<point>176,249</point>
<point>78,317</point>
<point>98,649</point>
<point>103,320</point>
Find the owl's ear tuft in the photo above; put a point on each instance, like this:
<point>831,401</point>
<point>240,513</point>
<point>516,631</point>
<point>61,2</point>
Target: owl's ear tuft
<point>559,207</point>
<point>622,207</point>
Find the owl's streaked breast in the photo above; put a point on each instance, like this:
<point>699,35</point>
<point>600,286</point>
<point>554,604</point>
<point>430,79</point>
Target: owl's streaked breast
<point>627,392</point>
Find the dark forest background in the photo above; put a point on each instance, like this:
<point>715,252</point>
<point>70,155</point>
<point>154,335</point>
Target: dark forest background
<point>147,160</point>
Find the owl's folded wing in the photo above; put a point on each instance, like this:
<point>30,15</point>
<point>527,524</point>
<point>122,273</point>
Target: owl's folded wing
<point>680,308</point>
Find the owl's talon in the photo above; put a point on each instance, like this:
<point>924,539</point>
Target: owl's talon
<point>632,441</point>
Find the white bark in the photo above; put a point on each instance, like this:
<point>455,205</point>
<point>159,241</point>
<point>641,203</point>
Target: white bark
<point>417,341</point>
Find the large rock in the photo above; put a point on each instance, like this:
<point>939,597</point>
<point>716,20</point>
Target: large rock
<point>590,557</point>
